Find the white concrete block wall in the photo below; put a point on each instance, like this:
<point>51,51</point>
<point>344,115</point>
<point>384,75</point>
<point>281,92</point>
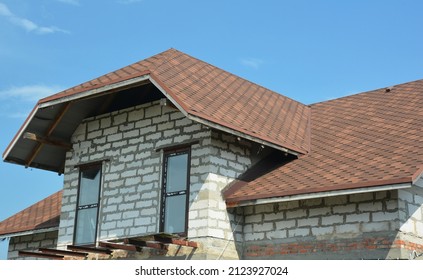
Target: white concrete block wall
<point>222,160</point>
<point>131,187</point>
<point>323,218</point>
<point>31,242</point>
<point>411,211</point>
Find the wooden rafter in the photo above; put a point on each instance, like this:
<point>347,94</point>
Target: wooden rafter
<point>63,252</point>
<point>44,140</point>
<point>118,246</point>
<point>147,244</point>
<point>94,250</point>
<point>50,130</point>
<point>40,255</point>
<point>175,241</point>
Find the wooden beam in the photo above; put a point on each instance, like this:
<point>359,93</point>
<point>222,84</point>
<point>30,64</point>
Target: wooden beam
<point>89,249</point>
<point>63,252</point>
<point>44,140</point>
<point>147,244</point>
<point>119,246</point>
<point>50,130</point>
<point>40,255</point>
<point>34,154</point>
<point>175,241</point>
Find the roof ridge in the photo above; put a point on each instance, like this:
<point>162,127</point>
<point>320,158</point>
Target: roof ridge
<point>244,79</point>
<point>365,92</point>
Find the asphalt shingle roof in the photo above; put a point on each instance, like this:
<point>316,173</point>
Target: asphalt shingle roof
<point>218,96</point>
<point>369,139</point>
<point>44,214</point>
<point>364,140</point>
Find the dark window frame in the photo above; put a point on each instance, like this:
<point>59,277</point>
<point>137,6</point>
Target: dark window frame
<point>82,168</point>
<point>164,194</point>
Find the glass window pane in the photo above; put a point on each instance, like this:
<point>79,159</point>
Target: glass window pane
<point>86,226</point>
<point>175,214</point>
<point>177,169</point>
<point>89,186</point>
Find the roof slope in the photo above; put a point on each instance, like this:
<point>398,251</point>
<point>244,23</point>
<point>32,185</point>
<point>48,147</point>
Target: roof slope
<point>369,139</point>
<point>218,96</point>
<point>204,93</point>
<point>41,215</point>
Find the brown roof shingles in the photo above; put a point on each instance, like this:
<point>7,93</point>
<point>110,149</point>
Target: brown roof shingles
<point>363,140</point>
<point>44,214</point>
<point>369,139</point>
<point>220,97</point>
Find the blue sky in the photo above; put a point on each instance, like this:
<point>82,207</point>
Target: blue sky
<point>310,51</point>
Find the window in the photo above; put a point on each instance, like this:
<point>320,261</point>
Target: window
<point>88,203</point>
<point>175,193</point>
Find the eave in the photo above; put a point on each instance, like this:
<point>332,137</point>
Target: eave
<point>55,118</point>
<point>340,190</point>
<point>28,232</point>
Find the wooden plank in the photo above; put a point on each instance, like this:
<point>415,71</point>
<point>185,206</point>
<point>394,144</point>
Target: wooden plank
<point>40,255</point>
<point>50,130</point>
<point>148,244</point>
<point>44,140</point>
<point>94,250</point>
<point>186,243</point>
<point>175,241</point>
<point>63,252</point>
<point>119,246</point>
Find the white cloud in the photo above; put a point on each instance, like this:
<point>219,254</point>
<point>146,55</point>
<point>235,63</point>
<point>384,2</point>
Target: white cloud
<point>30,93</point>
<point>252,62</point>
<point>70,2</point>
<point>4,10</point>
<point>27,24</point>
<point>17,102</point>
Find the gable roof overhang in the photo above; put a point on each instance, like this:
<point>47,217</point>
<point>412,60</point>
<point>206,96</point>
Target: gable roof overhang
<point>54,120</point>
<point>202,92</point>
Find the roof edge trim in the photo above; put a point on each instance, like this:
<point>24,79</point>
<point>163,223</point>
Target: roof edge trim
<point>90,92</point>
<point>240,134</point>
<point>169,95</point>
<point>181,107</point>
<point>195,116</point>
<point>318,195</point>
<point>20,132</point>
<point>27,232</point>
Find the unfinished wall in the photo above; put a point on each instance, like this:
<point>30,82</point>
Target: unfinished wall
<point>31,242</point>
<point>129,141</point>
<point>224,159</point>
<point>360,226</point>
<point>410,202</point>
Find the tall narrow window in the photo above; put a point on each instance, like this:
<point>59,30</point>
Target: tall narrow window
<point>174,213</point>
<point>88,203</point>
